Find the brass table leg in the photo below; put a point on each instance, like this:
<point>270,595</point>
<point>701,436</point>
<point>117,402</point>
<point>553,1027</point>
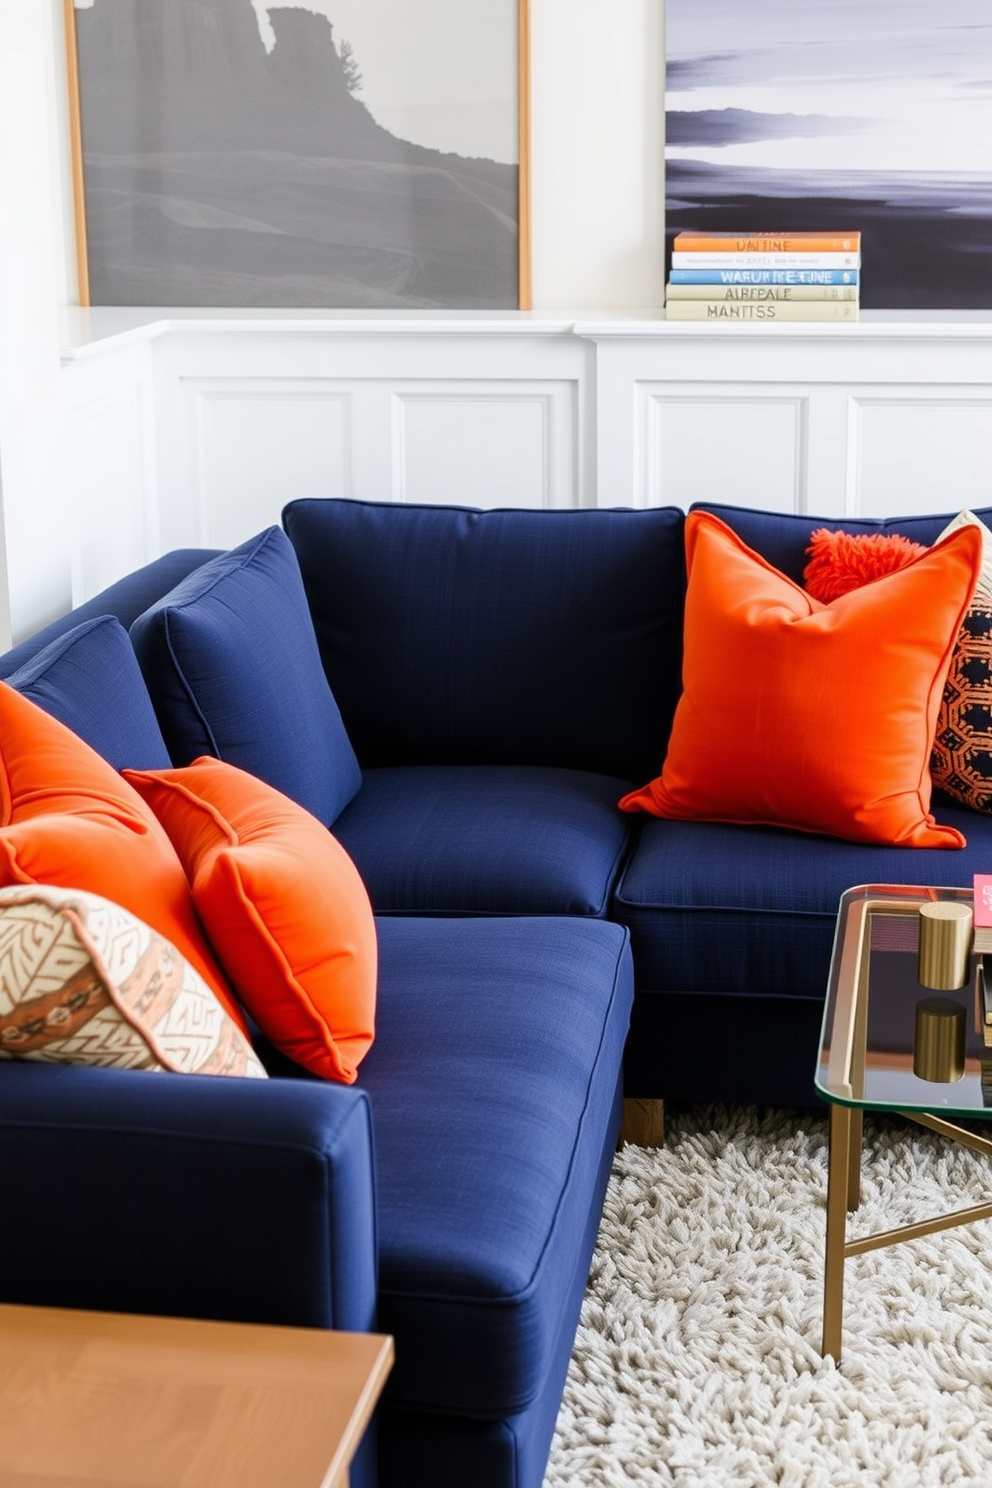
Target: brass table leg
<point>838,1193</point>
<point>854,1159</point>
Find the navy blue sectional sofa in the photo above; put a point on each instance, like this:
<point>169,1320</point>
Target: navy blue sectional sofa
<point>462,697</point>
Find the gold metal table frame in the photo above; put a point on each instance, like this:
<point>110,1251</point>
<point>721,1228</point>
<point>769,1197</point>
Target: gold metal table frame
<point>845,1088</point>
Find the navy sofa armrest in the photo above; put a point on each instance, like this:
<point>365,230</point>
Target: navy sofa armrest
<point>187,1195</point>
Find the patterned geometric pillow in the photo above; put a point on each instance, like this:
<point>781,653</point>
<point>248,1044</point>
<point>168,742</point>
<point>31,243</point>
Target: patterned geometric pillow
<point>961,763</point>
<point>83,981</point>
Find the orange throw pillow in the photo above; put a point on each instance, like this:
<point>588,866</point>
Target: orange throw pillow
<point>68,819</point>
<point>811,716</point>
<point>283,906</point>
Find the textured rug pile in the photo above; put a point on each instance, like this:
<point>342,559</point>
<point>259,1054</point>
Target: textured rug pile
<point>697,1363</point>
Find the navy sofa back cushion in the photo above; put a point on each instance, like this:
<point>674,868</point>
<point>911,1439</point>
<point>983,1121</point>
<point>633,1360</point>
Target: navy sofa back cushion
<point>89,679</point>
<point>126,599</point>
<point>782,537</point>
<point>231,662</point>
<point>457,636</point>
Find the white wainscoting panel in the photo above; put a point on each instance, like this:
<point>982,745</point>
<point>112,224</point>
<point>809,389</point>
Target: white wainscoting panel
<point>922,454</point>
<point>735,448</point>
<point>108,464</point>
<point>107,456</point>
<point>256,443</point>
<point>936,367</point>
<point>495,444</point>
<point>199,426</point>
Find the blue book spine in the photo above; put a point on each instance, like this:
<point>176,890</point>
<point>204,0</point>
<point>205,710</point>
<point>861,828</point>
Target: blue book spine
<point>764,276</point>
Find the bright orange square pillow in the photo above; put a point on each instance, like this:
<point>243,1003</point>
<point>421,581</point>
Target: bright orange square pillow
<point>800,714</point>
<point>283,905</point>
<point>68,819</point>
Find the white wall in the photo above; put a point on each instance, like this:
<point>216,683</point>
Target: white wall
<point>34,536</point>
<point>597,145</point>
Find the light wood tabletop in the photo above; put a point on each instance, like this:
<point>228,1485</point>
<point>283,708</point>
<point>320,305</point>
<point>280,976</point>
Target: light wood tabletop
<point>109,1400</point>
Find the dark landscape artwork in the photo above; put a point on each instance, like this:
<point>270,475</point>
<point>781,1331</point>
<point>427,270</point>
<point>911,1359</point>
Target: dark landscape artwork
<point>862,114</point>
<point>241,154</point>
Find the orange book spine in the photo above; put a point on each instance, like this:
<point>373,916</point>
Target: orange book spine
<point>799,242</point>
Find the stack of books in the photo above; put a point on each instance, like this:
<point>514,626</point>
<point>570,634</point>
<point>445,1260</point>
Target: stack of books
<point>765,276</point>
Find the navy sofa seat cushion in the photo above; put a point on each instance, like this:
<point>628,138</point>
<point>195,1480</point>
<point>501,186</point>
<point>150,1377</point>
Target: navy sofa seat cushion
<point>494,1091</point>
<point>486,839</point>
<point>783,537</point>
<point>751,910</point>
<point>89,679</point>
<point>457,636</point>
<point>231,662</point>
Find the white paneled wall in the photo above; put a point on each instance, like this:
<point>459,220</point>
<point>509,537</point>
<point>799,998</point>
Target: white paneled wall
<point>476,443</point>
<point>195,430</point>
<point>728,444</point>
<point>109,467</point>
<point>886,416</point>
<point>246,440</point>
<point>921,449</point>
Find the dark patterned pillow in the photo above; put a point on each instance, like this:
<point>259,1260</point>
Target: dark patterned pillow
<point>961,763</point>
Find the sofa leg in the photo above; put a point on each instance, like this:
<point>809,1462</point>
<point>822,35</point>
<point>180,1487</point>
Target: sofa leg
<point>643,1123</point>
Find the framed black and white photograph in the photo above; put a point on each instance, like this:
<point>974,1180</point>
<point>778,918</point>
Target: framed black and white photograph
<point>365,154</point>
<point>848,115</point>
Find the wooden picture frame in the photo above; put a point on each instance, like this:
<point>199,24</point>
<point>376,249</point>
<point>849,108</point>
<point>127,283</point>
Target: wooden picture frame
<point>249,177</point>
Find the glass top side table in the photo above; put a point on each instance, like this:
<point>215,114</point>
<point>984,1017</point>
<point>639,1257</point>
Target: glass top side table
<point>891,1043</point>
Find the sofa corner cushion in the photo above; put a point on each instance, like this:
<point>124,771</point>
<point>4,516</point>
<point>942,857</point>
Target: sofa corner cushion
<point>89,679</point>
<point>231,661</point>
<point>86,982</point>
<point>816,717</point>
<point>486,839</point>
<point>67,818</point>
<point>498,636</point>
<point>283,905</point>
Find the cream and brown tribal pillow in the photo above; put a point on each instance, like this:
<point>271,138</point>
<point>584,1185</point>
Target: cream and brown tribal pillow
<point>83,981</point>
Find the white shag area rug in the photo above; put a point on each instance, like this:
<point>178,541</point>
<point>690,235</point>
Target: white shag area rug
<point>697,1363</point>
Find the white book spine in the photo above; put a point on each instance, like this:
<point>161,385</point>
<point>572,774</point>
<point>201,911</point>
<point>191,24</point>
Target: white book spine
<point>692,260</point>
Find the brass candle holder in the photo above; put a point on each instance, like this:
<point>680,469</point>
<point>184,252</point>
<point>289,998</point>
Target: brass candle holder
<point>944,965</point>
<point>944,960</point>
<point>939,1042</point>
